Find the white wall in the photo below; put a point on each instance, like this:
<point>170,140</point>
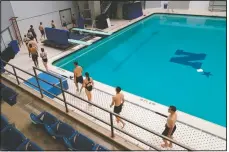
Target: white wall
<point>6,14</point>
<point>199,5</point>
<point>34,12</point>
<point>153,4</point>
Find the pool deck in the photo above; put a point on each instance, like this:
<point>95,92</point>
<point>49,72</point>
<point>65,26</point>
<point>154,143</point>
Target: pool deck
<point>185,134</point>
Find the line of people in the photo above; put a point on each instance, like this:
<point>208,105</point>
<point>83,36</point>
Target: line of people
<point>118,101</point>
<point>88,83</point>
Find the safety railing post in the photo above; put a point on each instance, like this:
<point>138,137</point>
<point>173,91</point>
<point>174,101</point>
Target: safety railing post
<point>61,87</point>
<point>16,75</point>
<point>38,82</point>
<point>112,128</point>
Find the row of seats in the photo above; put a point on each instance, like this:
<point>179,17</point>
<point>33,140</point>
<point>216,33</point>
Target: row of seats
<point>8,95</point>
<point>13,139</point>
<point>63,132</point>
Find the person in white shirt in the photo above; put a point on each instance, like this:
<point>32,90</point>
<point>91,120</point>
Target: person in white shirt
<point>44,58</point>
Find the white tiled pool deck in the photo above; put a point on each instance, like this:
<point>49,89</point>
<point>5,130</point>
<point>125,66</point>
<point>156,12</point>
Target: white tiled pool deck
<point>136,109</point>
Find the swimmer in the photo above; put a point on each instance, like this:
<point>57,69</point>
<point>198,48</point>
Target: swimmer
<point>118,101</point>
<point>78,75</point>
<point>170,126</point>
<point>34,53</point>
<point>88,85</point>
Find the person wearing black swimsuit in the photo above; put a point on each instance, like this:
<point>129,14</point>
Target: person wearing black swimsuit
<point>88,85</point>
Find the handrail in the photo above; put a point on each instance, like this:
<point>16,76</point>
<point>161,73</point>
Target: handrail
<point>158,113</point>
<point>111,113</point>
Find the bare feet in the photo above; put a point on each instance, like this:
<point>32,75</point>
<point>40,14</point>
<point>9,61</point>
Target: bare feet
<point>170,145</point>
<point>164,145</point>
<point>123,125</point>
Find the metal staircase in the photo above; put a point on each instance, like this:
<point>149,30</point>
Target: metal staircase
<point>16,30</point>
<point>217,6</point>
<point>105,5</point>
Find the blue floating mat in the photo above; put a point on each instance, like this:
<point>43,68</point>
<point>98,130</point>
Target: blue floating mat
<point>47,87</point>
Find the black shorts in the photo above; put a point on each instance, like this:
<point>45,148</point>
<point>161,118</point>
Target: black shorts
<point>34,57</point>
<point>45,60</point>
<point>79,79</point>
<point>118,109</point>
<point>42,32</point>
<point>64,25</point>
<point>166,131</point>
<point>89,88</point>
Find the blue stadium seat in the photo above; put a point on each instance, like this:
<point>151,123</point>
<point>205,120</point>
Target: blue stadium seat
<point>44,118</point>
<point>79,142</point>
<point>99,148</point>
<point>8,95</point>
<point>29,146</point>
<point>11,138</point>
<point>4,122</point>
<point>61,130</point>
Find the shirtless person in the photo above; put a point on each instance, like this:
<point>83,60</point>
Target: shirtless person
<point>170,126</point>
<point>78,78</point>
<point>118,101</point>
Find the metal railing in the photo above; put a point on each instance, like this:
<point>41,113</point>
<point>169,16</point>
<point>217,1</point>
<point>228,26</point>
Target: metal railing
<point>67,104</point>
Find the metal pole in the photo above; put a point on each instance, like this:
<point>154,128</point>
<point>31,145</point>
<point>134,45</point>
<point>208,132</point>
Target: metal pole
<point>16,75</point>
<point>112,129</point>
<point>61,86</point>
<point>38,82</point>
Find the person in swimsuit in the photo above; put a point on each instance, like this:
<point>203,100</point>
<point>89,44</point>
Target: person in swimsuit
<point>34,53</point>
<point>44,58</point>
<point>41,28</point>
<point>118,101</point>
<point>88,85</point>
<point>64,23</point>
<point>73,20</point>
<point>34,44</point>
<point>29,34</point>
<point>78,78</point>
<point>26,41</point>
<point>33,32</point>
<point>170,126</point>
<point>52,24</point>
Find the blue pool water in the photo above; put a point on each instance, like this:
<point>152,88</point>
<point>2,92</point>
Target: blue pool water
<point>157,58</point>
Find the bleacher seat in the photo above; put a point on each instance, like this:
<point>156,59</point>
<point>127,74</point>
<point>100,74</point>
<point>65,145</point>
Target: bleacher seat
<point>44,118</point>
<point>8,95</point>
<point>61,130</point>
<point>4,122</point>
<point>80,142</point>
<point>11,138</point>
<point>29,146</point>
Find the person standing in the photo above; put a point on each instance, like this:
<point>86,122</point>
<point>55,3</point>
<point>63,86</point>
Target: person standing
<point>73,20</point>
<point>34,53</point>
<point>33,32</point>
<point>29,34</point>
<point>118,101</point>
<point>64,22</point>
<point>170,126</point>
<point>78,78</point>
<point>88,85</point>
<point>52,24</point>
<point>26,41</point>
<point>41,28</point>
<point>44,58</point>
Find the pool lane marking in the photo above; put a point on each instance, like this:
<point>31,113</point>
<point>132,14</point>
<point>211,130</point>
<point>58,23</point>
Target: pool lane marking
<point>95,47</point>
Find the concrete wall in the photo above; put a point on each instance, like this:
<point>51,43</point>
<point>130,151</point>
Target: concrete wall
<point>34,12</point>
<point>152,4</point>
<point>199,5</point>
<point>192,5</point>
<point>6,28</point>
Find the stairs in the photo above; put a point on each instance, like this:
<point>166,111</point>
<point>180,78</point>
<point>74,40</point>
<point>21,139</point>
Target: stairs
<point>217,6</point>
<point>105,5</point>
<point>16,30</point>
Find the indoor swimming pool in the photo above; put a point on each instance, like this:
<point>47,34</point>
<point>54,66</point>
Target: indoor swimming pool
<point>175,60</point>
